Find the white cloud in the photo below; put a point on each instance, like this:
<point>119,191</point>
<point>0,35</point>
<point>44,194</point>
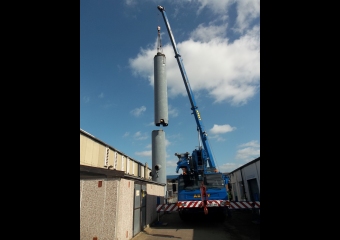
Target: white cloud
<point>142,65</point>
<point>220,139</point>
<point>126,134</point>
<point>229,72</point>
<point>218,7</point>
<point>247,10</point>
<point>172,111</point>
<point>171,163</point>
<point>140,136</point>
<point>217,138</point>
<point>144,154</point>
<point>228,167</point>
<point>167,142</point>
<point>220,129</point>
<point>249,151</point>
<point>131,2</point>
<point>138,111</point>
<point>107,105</point>
<point>151,124</point>
<point>253,143</point>
<point>101,95</point>
<point>206,34</point>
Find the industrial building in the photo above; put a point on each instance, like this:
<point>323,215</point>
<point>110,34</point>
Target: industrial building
<point>117,195</point>
<point>245,182</point>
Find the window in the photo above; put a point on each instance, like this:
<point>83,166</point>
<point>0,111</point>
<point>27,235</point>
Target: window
<point>214,181</point>
<point>188,182</point>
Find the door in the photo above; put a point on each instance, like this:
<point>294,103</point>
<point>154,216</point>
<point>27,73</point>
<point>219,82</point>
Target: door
<point>139,209</point>
<point>143,207</point>
<point>253,190</point>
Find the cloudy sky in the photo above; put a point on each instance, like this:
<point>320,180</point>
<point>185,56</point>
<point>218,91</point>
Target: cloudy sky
<point>219,42</point>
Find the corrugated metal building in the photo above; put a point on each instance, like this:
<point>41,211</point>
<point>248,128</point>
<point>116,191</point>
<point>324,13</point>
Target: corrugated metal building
<point>117,196</point>
<point>245,182</point>
<point>94,152</point>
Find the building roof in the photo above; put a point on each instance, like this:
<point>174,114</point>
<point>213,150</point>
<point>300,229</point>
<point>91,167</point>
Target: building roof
<point>89,172</point>
<point>103,143</point>
<point>248,163</point>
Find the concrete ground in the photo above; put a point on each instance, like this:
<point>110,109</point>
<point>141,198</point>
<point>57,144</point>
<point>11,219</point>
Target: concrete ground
<point>242,225</point>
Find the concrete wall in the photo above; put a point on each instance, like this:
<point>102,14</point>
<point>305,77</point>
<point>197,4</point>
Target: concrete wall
<point>106,211</point>
<point>153,191</point>
<point>98,209</point>
<point>125,210</point>
<point>106,207</point>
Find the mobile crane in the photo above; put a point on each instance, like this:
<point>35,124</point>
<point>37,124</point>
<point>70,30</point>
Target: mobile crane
<point>201,187</point>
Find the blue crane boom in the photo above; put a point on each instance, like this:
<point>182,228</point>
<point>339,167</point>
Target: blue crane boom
<point>203,155</point>
<point>201,186</point>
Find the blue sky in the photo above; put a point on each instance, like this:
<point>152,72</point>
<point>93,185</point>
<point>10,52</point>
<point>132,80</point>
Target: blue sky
<point>219,42</point>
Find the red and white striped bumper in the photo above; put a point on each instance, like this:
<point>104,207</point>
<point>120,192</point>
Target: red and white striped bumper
<point>244,205</point>
<point>197,204</point>
<point>190,204</point>
<point>167,207</point>
<point>172,207</point>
